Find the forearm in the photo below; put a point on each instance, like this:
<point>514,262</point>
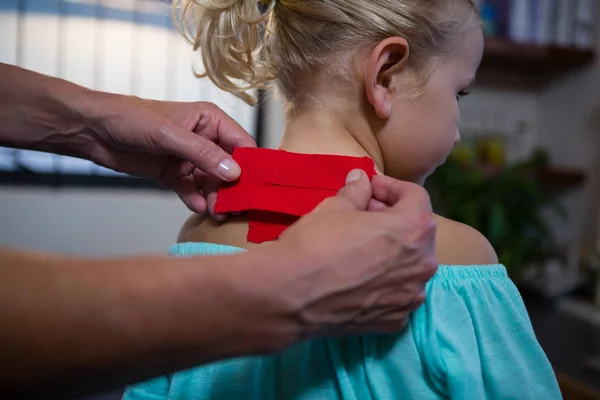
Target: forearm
<point>42,113</point>
<point>70,324</point>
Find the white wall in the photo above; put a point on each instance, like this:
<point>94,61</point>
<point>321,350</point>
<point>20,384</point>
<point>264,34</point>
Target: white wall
<point>113,53</point>
<point>145,58</point>
<point>90,222</point>
<point>569,128</point>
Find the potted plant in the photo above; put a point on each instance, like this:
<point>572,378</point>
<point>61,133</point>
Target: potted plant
<point>503,203</point>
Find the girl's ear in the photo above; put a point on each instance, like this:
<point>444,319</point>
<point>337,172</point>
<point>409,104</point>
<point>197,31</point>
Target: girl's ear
<point>386,60</point>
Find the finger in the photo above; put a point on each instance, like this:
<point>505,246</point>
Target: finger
<point>172,170</point>
<point>393,318</point>
<point>201,179</point>
<point>188,192</point>
<point>403,301</point>
<point>379,322</point>
<point>211,200</point>
<point>400,194</point>
<point>390,299</point>
<point>215,125</point>
<point>202,153</point>
<point>390,323</point>
<point>376,205</point>
<point>356,194</point>
<point>209,187</point>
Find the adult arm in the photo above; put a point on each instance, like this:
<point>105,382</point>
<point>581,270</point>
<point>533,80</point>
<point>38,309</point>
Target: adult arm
<point>172,143</point>
<point>73,326</point>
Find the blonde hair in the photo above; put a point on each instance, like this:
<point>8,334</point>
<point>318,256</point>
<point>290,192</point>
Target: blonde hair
<point>246,44</point>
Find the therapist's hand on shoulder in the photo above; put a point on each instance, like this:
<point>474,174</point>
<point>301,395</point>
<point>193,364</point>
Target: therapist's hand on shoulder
<point>185,147</point>
<point>367,270</point>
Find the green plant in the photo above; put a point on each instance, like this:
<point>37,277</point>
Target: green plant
<point>504,204</point>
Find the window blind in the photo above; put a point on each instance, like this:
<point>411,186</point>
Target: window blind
<point>120,46</point>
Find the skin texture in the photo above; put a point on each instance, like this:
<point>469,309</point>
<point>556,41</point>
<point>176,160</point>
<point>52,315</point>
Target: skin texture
<point>74,326</point>
<point>169,142</point>
<point>407,134</point>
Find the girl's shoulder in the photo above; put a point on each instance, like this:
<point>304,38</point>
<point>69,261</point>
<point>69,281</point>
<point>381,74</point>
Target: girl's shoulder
<point>460,244</point>
<point>456,243</point>
<point>202,228</point>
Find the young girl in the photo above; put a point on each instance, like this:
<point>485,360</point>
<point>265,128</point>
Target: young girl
<point>382,79</point>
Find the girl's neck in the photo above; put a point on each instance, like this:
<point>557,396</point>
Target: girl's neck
<point>316,133</point>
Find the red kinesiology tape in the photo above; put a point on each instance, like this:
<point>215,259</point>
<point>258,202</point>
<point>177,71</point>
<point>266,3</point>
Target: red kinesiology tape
<point>277,187</point>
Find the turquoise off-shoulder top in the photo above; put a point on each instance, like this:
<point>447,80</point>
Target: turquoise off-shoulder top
<point>471,339</point>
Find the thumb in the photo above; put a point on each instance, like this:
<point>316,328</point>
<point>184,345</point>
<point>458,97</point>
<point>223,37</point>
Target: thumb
<point>357,192</point>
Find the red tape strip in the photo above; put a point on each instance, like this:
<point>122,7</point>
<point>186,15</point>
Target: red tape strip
<point>277,187</point>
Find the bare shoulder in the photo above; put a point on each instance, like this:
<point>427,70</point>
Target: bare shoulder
<point>193,228</point>
<point>202,228</point>
<point>460,244</point>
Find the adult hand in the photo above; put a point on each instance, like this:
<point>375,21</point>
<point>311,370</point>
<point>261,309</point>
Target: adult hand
<point>183,146</point>
<point>105,323</point>
<point>371,271</point>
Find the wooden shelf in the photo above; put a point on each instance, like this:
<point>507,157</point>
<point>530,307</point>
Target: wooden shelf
<point>528,66</point>
<point>557,181</point>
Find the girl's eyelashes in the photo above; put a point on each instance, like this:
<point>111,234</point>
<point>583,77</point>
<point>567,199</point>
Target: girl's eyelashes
<point>462,94</point>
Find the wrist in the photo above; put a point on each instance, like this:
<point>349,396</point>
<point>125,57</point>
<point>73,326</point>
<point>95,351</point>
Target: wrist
<point>213,308</point>
<point>43,113</point>
<point>265,286</point>
<point>69,131</point>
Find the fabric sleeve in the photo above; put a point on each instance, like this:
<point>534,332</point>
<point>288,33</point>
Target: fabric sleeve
<point>154,389</point>
<point>476,339</point>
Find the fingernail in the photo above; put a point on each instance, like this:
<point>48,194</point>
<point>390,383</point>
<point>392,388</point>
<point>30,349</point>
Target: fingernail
<point>229,169</point>
<point>219,217</point>
<point>354,175</point>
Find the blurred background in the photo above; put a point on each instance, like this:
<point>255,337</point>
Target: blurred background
<point>123,46</point>
<point>527,173</point>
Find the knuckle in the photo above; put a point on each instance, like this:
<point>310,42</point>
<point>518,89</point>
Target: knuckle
<point>413,188</point>
<point>207,114</point>
<point>209,107</point>
<point>424,271</point>
<point>419,299</point>
<point>202,148</point>
<point>421,192</point>
<point>209,111</point>
<point>420,196</point>
<point>390,184</point>
<point>426,219</point>
<point>165,132</point>
<point>430,267</point>
<point>417,231</point>
<point>425,225</point>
